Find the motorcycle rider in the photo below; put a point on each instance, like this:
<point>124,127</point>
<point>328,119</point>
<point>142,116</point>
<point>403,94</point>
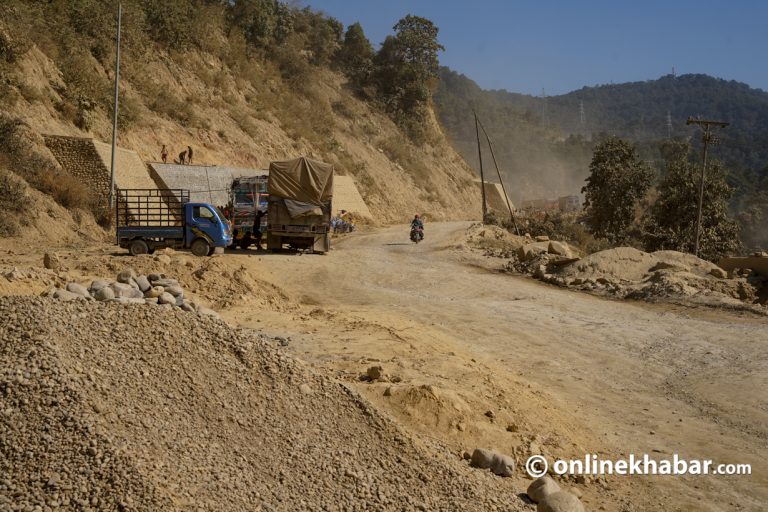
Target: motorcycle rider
<point>418,225</point>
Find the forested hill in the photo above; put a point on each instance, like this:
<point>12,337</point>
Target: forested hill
<point>636,111</point>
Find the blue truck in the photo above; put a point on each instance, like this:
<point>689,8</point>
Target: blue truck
<point>150,219</point>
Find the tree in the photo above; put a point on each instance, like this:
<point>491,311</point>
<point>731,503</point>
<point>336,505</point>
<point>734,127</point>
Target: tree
<point>617,180</point>
<point>258,19</point>
<point>672,221</point>
<point>355,57</point>
<point>406,68</point>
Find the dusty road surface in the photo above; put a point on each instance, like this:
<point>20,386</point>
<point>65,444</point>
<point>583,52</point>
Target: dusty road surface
<point>480,358</point>
<point>473,357</point>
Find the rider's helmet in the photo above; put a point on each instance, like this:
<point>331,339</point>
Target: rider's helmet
<point>416,216</point>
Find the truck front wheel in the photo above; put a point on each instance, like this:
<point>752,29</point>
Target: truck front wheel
<point>138,247</point>
<point>200,247</point>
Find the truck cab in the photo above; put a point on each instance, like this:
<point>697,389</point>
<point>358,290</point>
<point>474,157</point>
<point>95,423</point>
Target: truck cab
<point>204,221</point>
<point>150,219</point>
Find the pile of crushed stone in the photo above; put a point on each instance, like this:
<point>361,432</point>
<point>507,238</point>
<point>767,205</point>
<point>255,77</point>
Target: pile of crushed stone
<point>107,406</point>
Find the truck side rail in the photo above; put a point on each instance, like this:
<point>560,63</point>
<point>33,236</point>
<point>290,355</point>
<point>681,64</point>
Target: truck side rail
<point>150,207</point>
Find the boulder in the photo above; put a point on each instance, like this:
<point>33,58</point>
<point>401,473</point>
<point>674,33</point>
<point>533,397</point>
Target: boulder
<point>164,282</point>
<point>163,258</point>
<point>126,276</point>
<point>499,464</point>
<point>98,284</point>
<point>154,292</point>
<point>541,488</point>
<point>79,289</point>
<point>175,290</point>
<point>103,294</point>
<point>559,248</point>
<point>143,283</point>
<point>166,298</point>
<point>560,501</point>
<point>530,251</point>
<point>51,261</point>
<point>64,295</point>
<point>542,238</point>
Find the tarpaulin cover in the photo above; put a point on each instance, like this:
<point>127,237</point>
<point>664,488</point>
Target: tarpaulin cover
<point>299,209</point>
<point>302,179</point>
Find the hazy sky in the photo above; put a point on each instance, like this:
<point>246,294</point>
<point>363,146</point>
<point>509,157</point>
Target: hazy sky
<point>524,46</point>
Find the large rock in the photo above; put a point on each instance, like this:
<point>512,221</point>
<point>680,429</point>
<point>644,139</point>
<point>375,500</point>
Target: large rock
<point>103,294</point>
<point>79,289</point>
<point>98,284</point>
<point>154,292</point>
<point>126,276</point>
<point>560,502</point>
<point>560,248</point>
<point>143,283</point>
<point>175,290</point>
<point>51,261</point>
<point>499,464</point>
<point>165,282</point>
<point>541,488</point>
<point>65,296</point>
<point>167,298</point>
<point>530,251</point>
<point>125,290</point>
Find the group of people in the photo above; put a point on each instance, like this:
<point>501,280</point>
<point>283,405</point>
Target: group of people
<point>342,223</point>
<point>185,157</point>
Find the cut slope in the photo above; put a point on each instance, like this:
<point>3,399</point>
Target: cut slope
<point>201,416</point>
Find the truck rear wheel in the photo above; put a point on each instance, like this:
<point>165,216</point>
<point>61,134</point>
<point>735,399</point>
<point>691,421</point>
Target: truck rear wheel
<point>138,247</point>
<point>200,247</point>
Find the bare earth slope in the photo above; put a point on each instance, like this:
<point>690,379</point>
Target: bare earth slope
<point>234,122</point>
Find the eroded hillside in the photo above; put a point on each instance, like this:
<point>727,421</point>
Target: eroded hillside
<point>233,108</point>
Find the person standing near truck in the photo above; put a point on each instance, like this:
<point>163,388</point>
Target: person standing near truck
<point>257,228</point>
<point>189,155</point>
<point>164,154</point>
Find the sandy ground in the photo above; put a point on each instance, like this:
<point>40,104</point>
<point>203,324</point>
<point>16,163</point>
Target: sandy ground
<point>573,373</point>
<point>478,358</point>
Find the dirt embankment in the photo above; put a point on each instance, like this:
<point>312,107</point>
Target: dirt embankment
<point>624,272</point>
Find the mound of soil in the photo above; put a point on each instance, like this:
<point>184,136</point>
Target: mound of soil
<point>117,407</point>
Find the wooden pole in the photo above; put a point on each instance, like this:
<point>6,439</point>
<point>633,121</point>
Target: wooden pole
<point>482,176</point>
<point>498,172</point>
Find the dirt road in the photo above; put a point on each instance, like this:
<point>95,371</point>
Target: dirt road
<point>558,372</point>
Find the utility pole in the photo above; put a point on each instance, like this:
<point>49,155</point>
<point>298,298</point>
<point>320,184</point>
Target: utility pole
<point>582,119</point>
<point>498,172</point>
<point>669,124</point>
<point>114,114</point>
<point>708,138</point>
<point>482,176</point>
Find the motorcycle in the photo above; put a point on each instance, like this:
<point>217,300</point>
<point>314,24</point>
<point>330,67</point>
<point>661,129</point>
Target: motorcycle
<point>417,235</point>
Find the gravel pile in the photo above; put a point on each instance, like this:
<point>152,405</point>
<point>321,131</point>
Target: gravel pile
<point>106,406</point>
